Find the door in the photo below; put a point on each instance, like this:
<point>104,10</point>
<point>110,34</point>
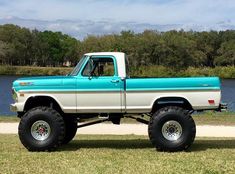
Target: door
<point>99,88</point>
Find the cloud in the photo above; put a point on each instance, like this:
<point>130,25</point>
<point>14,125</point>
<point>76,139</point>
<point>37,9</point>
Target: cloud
<point>149,11</point>
<point>82,28</point>
<point>80,18</point>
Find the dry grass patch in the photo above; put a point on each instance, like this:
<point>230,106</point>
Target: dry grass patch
<point>9,119</point>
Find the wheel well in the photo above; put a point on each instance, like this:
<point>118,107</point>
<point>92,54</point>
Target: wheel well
<point>35,101</point>
<point>171,101</point>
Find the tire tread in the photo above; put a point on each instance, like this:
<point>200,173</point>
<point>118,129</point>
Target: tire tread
<point>163,111</point>
<point>57,118</point>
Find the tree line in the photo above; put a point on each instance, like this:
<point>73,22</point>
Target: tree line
<point>176,49</point>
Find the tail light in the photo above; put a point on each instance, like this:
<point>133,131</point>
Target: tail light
<point>211,102</point>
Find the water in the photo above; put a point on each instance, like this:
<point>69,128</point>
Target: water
<point>6,94</point>
<point>228,94</point>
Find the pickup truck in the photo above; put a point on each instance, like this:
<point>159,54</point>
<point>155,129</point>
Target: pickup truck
<point>99,89</point>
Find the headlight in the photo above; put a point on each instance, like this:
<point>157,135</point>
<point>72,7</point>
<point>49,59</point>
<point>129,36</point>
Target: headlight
<point>14,95</point>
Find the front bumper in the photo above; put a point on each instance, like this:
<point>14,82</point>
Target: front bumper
<point>17,107</point>
<point>13,108</point>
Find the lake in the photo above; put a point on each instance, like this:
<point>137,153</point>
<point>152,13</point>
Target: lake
<point>228,94</point>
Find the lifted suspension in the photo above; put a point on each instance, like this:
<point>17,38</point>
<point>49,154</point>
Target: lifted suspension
<point>92,122</point>
<point>113,120</point>
<point>138,119</point>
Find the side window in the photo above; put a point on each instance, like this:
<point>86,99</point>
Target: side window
<point>99,67</point>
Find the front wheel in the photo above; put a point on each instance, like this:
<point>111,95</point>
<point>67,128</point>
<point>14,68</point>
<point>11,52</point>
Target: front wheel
<point>70,129</point>
<point>41,129</point>
<point>171,129</point>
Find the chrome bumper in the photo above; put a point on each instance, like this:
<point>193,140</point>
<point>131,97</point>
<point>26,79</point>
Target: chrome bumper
<point>222,107</point>
<point>13,108</point>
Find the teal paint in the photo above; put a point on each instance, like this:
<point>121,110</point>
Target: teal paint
<point>46,83</point>
<point>152,84</point>
<point>68,83</point>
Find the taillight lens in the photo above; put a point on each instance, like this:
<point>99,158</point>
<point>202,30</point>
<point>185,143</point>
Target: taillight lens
<point>211,102</point>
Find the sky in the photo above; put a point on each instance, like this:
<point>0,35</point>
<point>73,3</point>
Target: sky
<point>80,18</point>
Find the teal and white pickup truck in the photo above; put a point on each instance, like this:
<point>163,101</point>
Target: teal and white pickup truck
<point>99,89</point>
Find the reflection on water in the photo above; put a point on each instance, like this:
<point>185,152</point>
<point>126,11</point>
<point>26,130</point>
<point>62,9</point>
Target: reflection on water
<point>228,94</point>
<point>6,94</point>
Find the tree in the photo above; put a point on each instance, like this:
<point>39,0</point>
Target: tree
<point>174,49</point>
<point>226,54</point>
<point>208,43</point>
<point>6,52</point>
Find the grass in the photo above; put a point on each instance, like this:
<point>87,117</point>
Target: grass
<point>118,154</point>
<point>211,118</point>
<point>208,118</point>
<point>9,119</point>
<point>141,71</point>
<point>33,71</point>
<point>224,72</point>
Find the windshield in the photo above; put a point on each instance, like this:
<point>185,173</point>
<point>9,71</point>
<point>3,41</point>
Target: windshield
<point>78,66</point>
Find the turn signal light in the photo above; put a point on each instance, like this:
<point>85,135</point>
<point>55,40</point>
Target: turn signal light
<point>211,102</point>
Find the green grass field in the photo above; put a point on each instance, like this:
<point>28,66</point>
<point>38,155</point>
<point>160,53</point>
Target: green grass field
<point>118,154</point>
<point>227,119</point>
<point>33,71</point>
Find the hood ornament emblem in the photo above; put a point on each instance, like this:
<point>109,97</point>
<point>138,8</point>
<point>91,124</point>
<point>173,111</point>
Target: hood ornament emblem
<point>26,83</point>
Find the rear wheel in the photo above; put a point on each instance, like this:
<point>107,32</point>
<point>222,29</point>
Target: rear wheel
<point>41,129</point>
<point>171,129</point>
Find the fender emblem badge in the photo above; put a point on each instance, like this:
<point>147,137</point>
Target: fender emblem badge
<point>26,83</point>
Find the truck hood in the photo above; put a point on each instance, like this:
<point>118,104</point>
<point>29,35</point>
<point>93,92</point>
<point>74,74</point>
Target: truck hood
<point>40,82</point>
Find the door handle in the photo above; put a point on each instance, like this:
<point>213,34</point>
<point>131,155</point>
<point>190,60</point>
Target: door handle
<point>115,81</point>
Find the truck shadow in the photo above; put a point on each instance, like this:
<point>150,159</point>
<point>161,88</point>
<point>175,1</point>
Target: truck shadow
<point>112,144</point>
<point>202,145</point>
<point>198,145</point>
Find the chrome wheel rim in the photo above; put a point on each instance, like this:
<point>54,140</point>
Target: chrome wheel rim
<point>172,130</point>
<point>40,130</point>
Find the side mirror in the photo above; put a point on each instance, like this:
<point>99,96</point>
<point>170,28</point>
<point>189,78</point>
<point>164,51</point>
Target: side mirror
<point>91,67</point>
<point>90,77</point>
<point>91,73</point>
